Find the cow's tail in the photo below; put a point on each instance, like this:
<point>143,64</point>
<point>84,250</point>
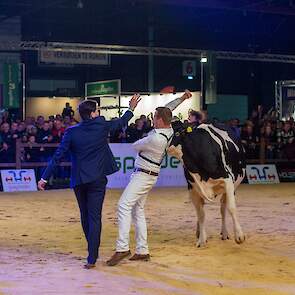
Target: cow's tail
<point>203,188</point>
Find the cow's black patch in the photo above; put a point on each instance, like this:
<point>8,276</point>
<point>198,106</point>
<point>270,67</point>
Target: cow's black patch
<point>203,155</point>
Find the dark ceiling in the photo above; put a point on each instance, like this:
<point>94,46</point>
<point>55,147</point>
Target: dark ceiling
<point>255,26</point>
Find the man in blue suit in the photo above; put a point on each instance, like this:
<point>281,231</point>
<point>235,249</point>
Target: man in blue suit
<point>92,160</point>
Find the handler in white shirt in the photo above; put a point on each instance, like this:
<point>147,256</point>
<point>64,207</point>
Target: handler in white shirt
<point>151,151</point>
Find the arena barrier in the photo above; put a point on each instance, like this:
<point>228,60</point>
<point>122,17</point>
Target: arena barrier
<point>171,170</point>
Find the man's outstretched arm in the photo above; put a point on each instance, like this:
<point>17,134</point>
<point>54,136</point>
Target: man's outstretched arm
<point>172,105</point>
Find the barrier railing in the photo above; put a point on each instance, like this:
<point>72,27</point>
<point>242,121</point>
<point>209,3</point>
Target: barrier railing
<point>19,164</point>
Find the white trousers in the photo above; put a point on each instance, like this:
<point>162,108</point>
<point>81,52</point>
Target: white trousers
<point>131,208</point>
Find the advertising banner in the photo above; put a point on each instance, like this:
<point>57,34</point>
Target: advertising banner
<point>189,68</point>
<point>211,79</point>
<point>71,57</point>
<point>286,171</point>
<point>262,174</point>
<point>11,83</point>
<point>101,88</point>
<point>171,173</point>
<point>18,180</point>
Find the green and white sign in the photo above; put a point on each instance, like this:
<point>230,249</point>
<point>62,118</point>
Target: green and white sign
<point>11,85</point>
<point>103,88</point>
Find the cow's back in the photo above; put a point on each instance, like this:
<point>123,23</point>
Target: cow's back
<point>213,152</point>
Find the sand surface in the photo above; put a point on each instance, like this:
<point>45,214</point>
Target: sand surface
<point>42,249</point>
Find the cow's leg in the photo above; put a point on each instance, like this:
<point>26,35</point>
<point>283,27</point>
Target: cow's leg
<point>224,232</point>
<point>199,205</point>
<point>231,206</point>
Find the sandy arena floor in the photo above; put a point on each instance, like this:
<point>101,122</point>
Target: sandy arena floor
<point>42,249</point>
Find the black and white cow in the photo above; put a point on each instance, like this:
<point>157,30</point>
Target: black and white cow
<point>214,165</point>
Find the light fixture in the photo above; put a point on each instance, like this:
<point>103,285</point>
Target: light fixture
<point>190,77</point>
<point>203,59</point>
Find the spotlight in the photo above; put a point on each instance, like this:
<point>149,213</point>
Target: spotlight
<point>190,77</point>
<point>204,59</point>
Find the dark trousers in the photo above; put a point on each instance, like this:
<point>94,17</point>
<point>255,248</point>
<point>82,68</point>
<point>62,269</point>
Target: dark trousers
<point>90,197</point>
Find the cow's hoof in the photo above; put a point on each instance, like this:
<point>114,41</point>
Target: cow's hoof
<point>201,244</point>
<point>224,236</point>
<point>240,239</point>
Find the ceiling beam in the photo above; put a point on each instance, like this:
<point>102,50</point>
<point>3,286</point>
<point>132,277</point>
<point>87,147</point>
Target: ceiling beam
<point>258,7</point>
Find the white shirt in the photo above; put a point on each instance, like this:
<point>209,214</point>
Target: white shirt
<point>152,147</point>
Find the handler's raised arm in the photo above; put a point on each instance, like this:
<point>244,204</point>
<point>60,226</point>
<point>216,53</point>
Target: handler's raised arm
<point>172,105</point>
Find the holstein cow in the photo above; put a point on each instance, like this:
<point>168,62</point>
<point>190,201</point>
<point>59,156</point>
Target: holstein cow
<point>214,166</point>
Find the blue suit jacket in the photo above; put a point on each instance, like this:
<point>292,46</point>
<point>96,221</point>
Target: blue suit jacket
<point>91,155</point>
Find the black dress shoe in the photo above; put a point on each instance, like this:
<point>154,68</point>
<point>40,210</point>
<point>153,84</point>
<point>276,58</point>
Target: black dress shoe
<point>142,257</point>
<point>89,265</point>
<point>117,257</point>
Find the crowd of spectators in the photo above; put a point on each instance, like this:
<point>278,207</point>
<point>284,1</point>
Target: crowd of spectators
<point>278,136</point>
<point>31,131</point>
<point>263,132</point>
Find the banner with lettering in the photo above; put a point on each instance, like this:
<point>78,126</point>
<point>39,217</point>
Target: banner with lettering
<point>171,173</point>
<point>11,85</point>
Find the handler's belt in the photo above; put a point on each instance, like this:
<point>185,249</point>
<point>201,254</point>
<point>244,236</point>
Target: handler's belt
<point>153,162</point>
<point>146,171</point>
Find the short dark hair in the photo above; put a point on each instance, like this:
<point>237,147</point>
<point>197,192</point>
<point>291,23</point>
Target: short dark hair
<point>165,114</point>
<point>86,107</point>
<point>198,115</point>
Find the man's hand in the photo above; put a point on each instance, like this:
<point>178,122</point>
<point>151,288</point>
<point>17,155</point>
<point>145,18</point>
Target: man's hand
<point>134,101</point>
<point>41,185</point>
<point>187,94</point>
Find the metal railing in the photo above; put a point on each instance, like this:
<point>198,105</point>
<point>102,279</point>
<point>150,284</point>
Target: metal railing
<point>19,164</point>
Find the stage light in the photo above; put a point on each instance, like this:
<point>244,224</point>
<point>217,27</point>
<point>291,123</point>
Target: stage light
<point>190,77</point>
<point>204,59</point>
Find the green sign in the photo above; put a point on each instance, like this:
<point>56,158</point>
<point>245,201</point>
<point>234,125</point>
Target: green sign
<point>211,79</point>
<point>11,83</point>
<point>102,88</point>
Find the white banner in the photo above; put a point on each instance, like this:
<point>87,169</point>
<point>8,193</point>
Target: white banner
<point>171,173</point>
<point>18,180</point>
<point>262,174</point>
<point>70,57</point>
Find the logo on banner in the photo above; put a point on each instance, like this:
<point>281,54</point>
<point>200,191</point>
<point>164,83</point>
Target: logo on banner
<point>262,174</point>
<point>18,180</point>
<point>171,169</point>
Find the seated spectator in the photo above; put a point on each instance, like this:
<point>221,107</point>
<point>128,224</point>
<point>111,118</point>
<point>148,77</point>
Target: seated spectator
<point>44,134</point>
<point>8,147</point>
<point>249,141</point>
<point>40,122</point>
<point>33,154</point>
<point>285,139</point>
<point>270,140</point>
<point>135,131</point>
<point>234,126</point>
<point>58,131</point>
<point>21,129</point>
